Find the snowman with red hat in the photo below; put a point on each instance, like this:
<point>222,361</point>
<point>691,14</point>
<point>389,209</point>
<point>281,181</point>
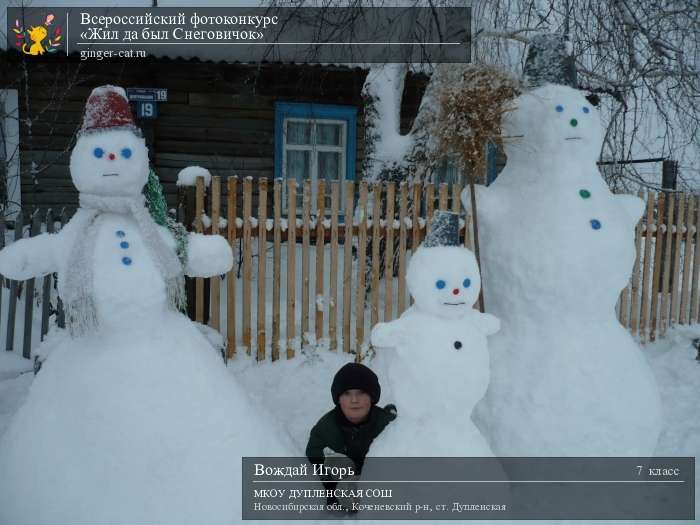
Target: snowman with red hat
<point>114,262</point>
<point>133,418</point>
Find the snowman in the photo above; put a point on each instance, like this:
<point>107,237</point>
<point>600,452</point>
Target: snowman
<point>557,247</point>
<point>434,359</point>
<point>133,418</point>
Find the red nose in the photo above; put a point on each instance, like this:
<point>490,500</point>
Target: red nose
<point>111,156</point>
<point>455,291</point>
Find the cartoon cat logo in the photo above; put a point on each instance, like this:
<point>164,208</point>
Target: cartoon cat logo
<point>36,35</point>
<point>31,41</point>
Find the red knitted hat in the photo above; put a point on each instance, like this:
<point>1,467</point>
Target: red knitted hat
<point>108,108</point>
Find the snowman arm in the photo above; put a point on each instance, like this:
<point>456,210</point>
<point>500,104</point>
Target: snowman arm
<point>390,335</point>
<point>207,255</point>
<point>488,324</point>
<point>32,257</point>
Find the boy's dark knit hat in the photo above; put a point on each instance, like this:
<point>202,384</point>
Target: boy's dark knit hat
<point>356,375</point>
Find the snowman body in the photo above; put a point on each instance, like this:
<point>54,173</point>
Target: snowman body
<point>557,247</point>
<point>127,281</point>
<point>434,359</point>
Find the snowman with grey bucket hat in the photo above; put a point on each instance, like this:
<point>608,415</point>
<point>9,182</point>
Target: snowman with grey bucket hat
<point>437,346</point>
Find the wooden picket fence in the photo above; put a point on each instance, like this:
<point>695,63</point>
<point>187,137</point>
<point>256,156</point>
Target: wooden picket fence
<point>32,297</point>
<point>330,305</point>
<point>309,276</point>
<point>663,289</point>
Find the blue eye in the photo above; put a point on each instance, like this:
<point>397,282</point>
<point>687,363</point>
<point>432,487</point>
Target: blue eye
<point>126,153</point>
<point>440,284</point>
<point>585,109</point>
<point>559,109</point>
<point>98,152</point>
<point>466,283</point>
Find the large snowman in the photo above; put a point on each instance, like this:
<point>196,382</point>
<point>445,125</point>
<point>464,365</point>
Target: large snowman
<point>133,418</point>
<point>434,360</point>
<point>557,247</point>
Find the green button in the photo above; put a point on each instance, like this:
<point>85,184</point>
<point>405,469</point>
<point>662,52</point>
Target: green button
<point>573,122</point>
<point>584,193</point>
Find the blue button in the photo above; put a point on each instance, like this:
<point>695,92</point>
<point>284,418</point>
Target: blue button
<point>595,224</point>
<point>124,244</point>
<point>120,233</point>
<point>126,260</point>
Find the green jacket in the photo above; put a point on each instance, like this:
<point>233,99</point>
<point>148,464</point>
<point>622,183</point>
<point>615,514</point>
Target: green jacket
<point>333,430</point>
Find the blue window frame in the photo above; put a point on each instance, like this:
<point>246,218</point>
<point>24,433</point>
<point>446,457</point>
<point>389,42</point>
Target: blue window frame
<point>315,142</point>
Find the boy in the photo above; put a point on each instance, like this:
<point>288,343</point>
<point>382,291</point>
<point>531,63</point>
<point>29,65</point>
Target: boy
<point>350,427</point>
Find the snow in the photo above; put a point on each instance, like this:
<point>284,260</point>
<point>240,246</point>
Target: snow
<point>152,413</point>
<point>385,83</point>
<point>188,176</point>
<point>310,374</point>
<point>564,371</point>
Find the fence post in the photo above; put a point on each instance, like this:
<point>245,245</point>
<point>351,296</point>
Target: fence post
<point>376,265</point>
<point>276,268</point>
<point>262,262</point>
<point>361,261</point>
<point>247,262</point>
<point>389,252</point>
<point>669,174</point>
<point>61,314</point>
<point>12,306</point>
<point>319,297</point>
<point>35,229</point>
<point>333,302</point>
<point>687,260</point>
<point>232,274</point>
<point>199,228</point>
<point>305,268</point>
<point>2,277</point>
<point>46,286</point>
<point>215,281</point>
<point>291,263</point>
<point>646,275</point>
<point>347,265</point>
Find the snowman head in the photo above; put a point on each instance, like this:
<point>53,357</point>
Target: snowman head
<point>110,156</point>
<point>444,281</point>
<point>552,122</point>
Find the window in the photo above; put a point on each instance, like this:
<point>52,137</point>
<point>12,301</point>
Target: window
<point>314,142</point>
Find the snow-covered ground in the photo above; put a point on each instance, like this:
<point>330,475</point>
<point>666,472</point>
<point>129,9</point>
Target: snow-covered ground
<point>297,391</point>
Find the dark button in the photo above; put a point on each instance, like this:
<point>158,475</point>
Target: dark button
<point>584,193</point>
<point>126,260</point>
<point>124,244</point>
<point>458,344</point>
<point>595,224</point>
<point>120,233</point>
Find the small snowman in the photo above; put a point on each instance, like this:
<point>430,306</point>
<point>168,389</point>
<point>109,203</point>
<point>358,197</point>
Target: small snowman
<point>133,417</point>
<point>556,249</point>
<point>435,357</point>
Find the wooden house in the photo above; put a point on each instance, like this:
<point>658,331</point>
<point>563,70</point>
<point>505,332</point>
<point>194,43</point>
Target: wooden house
<point>260,120</point>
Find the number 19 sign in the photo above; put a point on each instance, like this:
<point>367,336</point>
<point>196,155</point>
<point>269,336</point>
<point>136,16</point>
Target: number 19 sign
<point>147,100</point>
